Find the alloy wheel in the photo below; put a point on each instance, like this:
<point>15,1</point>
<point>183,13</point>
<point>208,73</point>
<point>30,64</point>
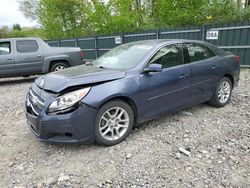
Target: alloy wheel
<point>60,67</point>
<point>224,92</point>
<point>114,123</point>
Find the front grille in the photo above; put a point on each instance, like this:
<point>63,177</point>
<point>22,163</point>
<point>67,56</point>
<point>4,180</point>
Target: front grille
<point>35,103</point>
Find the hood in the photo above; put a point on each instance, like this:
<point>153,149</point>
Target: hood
<point>79,75</point>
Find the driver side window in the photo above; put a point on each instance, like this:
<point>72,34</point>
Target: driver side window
<point>168,56</point>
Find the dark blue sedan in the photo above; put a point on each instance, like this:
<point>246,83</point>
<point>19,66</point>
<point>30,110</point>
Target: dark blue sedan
<point>130,84</point>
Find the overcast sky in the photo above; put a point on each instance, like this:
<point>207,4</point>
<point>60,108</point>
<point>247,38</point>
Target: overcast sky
<point>10,14</point>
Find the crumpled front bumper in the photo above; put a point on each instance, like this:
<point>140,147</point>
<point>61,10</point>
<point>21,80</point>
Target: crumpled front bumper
<point>74,127</point>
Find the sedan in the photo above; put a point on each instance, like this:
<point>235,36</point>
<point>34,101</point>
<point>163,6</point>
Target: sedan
<point>133,83</point>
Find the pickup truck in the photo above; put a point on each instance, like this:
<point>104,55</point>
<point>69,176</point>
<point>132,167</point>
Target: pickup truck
<point>31,56</point>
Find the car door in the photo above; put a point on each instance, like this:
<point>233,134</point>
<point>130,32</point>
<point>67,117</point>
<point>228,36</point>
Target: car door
<point>29,57</point>
<point>205,69</point>
<point>7,63</point>
<point>166,90</point>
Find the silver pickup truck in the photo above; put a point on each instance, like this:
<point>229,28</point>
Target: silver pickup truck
<point>30,56</point>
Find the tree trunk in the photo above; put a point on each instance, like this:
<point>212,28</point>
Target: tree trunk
<point>247,3</point>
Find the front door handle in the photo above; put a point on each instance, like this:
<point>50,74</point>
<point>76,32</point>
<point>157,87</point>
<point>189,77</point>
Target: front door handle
<point>183,76</point>
<point>9,59</point>
<point>214,67</point>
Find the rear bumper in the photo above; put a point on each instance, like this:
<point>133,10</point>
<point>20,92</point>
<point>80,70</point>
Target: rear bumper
<point>74,127</point>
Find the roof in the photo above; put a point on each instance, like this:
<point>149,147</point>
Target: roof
<point>25,38</point>
<point>159,42</point>
<point>162,41</point>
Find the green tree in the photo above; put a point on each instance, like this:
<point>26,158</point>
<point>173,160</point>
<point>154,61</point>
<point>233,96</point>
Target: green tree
<point>17,27</point>
<point>74,18</point>
<point>60,18</point>
<point>4,31</point>
<point>223,11</point>
<point>29,8</point>
<point>176,12</point>
<point>97,17</point>
<point>126,15</point>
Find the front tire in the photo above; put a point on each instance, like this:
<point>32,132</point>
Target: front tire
<point>114,123</point>
<point>222,93</point>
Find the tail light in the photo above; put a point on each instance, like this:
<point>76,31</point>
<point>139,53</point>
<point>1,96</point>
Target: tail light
<point>236,58</point>
<point>81,54</point>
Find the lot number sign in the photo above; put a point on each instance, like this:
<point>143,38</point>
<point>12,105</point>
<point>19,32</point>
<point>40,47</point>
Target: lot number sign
<point>118,40</point>
<point>212,35</point>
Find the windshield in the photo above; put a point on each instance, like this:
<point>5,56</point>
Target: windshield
<point>123,57</point>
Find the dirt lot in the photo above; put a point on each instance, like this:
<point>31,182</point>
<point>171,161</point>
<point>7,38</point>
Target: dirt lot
<point>218,141</point>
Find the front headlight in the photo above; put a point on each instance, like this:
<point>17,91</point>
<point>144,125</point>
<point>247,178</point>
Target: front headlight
<point>68,100</point>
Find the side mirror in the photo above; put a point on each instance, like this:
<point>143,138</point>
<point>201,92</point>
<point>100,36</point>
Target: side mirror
<point>153,68</point>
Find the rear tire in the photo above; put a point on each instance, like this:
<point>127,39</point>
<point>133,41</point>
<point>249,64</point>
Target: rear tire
<point>114,122</point>
<point>222,93</point>
<point>58,66</point>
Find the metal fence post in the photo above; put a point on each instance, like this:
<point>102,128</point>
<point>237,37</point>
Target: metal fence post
<point>96,47</point>
<point>76,42</point>
<point>122,37</point>
<point>203,32</point>
<point>157,34</point>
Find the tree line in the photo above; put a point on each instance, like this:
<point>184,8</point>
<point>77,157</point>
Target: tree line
<point>74,18</point>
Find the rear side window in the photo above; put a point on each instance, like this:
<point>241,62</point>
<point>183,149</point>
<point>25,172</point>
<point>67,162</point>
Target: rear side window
<point>26,46</point>
<point>4,48</point>
<point>198,52</point>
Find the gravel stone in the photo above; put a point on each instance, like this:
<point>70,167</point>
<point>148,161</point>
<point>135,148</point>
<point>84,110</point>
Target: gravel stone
<point>62,178</point>
<point>129,156</point>
<point>184,151</point>
<point>218,139</point>
<point>108,181</point>
<point>178,155</point>
<point>199,156</point>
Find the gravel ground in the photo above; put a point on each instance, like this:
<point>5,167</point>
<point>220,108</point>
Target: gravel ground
<point>216,143</point>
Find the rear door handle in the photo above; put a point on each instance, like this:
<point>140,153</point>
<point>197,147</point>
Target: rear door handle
<point>182,76</point>
<point>214,67</point>
<point>39,55</point>
<point>10,59</point>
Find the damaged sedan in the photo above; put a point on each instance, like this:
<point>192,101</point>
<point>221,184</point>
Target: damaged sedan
<point>135,82</point>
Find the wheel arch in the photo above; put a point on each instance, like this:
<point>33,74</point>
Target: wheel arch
<point>230,77</point>
<point>53,62</point>
<point>50,60</point>
<point>125,99</point>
